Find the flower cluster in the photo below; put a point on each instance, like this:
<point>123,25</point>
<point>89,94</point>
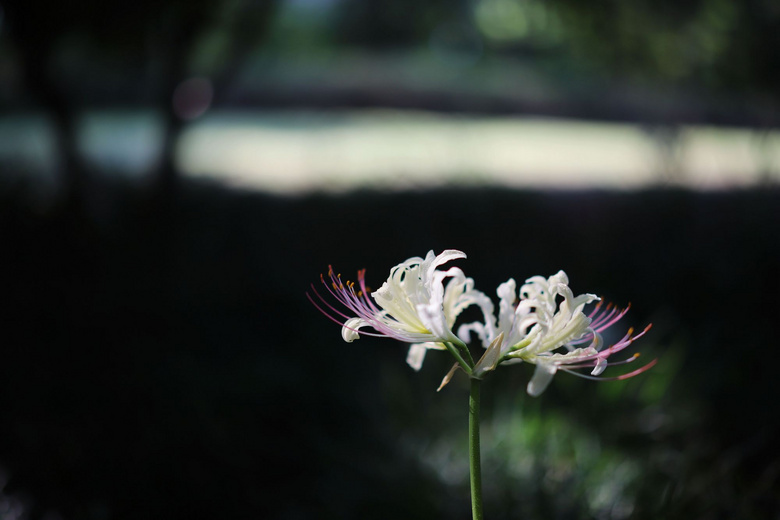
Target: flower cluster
<point>543,323</point>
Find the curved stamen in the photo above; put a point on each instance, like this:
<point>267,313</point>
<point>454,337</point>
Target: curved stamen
<point>611,363</point>
<point>608,318</point>
<point>410,305</point>
<point>616,378</point>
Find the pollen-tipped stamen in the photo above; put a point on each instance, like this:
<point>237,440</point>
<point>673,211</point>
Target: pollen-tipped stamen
<point>592,363</point>
<point>612,314</point>
<point>616,378</point>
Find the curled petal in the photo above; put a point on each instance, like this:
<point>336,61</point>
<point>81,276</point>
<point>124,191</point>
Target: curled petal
<point>547,326</point>
<point>410,305</point>
<point>459,295</point>
<point>433,261</point>
<point>601,365</point>
<point>350,329</point>
<point>482,332</point>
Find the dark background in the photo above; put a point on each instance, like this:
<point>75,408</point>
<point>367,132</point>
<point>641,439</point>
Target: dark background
<point>159,358</point>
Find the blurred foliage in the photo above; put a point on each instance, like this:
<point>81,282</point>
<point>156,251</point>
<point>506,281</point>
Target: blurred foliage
<point>704,61</point>
<point>717,45</point>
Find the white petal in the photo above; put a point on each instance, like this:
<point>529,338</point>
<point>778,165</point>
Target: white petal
<point>432,317</point>
<point>582,300</point>
<point>601,364</point>
<point>456,287</point>
<point>559,278</point>
<point>542,376</point>
<point>414,296</point>
<point>416,356</point>
<point>459,295</point>
<point>525,306</point>
<point>447,255</point>
<point>507,294</point>
<point>350,329</point>
<point>465,330</point>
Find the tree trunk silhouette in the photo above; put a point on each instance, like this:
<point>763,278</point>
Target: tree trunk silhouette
<point>35,49</point>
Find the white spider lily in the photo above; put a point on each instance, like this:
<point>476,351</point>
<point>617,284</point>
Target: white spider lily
<point>412,306</point>
<point>543,331</point>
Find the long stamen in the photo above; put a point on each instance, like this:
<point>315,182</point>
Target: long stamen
<point>611,363</point>
<point>597,308</point>
<point>366,291</point>
<point>625,341</point>
<point>616,378</point>
<point>610,315</point>
<point>357,300</point>
<point>324,301</point>
<point>346,295</point>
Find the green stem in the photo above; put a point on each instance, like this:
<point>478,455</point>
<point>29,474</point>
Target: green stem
<point>459,358</point>
<point>474,456</point>
<point>466,353</point>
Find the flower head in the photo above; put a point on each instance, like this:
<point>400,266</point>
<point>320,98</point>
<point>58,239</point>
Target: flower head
<point>412,306</point>
<point>547,327</point>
